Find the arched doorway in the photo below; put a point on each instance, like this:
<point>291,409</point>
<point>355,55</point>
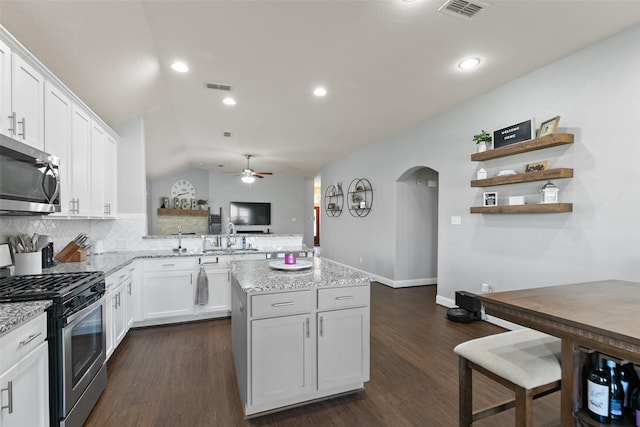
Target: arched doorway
<point>416,227</point>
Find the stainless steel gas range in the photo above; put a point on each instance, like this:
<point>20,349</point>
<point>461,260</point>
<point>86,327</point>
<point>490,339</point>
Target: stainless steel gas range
<point>76,337</point>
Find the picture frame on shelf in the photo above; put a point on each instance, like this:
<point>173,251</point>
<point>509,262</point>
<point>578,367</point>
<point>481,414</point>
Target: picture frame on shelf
<point>548,127</point>
<point>490,198</point>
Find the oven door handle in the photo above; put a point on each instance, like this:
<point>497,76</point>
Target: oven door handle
<point>73,317</point>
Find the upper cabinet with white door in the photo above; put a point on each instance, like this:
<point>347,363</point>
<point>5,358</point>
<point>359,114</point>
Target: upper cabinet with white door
<point>57,131</point>
<point>27,100</point>
<point>39,110</point>
<point>21,99</point>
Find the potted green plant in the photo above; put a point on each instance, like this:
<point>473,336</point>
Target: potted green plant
<point>202,204</point>
<point>482,139</point>
<point>355,200</point>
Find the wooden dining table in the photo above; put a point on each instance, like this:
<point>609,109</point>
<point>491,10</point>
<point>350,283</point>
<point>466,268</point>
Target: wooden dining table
<point>601,316</point>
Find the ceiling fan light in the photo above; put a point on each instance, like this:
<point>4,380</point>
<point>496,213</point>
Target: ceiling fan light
<point>247,179</point>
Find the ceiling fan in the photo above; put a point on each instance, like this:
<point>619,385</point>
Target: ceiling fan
<point>249,175</point>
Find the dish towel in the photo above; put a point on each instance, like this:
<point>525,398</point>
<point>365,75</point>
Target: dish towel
<point>202,288</point>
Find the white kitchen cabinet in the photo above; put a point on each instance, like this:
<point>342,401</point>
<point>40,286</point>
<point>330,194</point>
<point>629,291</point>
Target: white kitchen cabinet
<point>80,203</point>
<point>6,118</point>
<point>130,286</point>
<point>168,289</point>
<point>343,347</point>
<point>27,101</point>
<point>21,99</point>
<point>116,311</point>
<point>96,172</point>
<point>298,346</point>
<point>24,375</point>
<point>57,138</point>
<point>110,176</point>
<point>218,273</point>
<point>283,355</point>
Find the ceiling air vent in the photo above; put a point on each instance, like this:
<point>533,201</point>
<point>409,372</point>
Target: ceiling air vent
<point>217,86</point>
<point>462,9</point>
<point>226,134</point>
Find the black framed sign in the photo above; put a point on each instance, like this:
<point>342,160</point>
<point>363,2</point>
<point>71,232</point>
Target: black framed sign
<point>511,134</point>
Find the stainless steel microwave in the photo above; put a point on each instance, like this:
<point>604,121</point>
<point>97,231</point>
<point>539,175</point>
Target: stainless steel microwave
<point>29,179</point>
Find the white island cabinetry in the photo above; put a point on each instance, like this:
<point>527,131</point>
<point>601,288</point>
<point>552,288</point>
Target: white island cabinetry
<point>298,336</point>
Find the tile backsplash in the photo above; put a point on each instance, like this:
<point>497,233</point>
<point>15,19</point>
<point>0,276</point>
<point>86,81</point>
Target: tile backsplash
<point>122,234</point>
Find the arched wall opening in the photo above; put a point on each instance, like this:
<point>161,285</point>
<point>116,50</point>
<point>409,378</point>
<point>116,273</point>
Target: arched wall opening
<point>416,227</point>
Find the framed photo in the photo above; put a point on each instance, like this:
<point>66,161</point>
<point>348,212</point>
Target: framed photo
<point>548,127</point>
<point>490,198</point>
<point>331,206</point>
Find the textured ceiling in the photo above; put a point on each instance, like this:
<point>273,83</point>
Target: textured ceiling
<point>386,64</point>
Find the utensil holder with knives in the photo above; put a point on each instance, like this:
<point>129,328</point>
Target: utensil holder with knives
<point>75,251</point>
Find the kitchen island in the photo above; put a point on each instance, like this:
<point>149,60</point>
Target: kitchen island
<point>298,335</point>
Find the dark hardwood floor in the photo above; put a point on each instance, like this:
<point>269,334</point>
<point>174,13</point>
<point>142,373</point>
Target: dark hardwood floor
<point>183,375</point>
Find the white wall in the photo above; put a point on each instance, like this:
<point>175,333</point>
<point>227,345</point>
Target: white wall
<point>131,167</point>
<point>597,93</point>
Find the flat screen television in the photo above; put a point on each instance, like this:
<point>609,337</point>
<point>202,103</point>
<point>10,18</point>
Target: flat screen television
<point>250,213</point>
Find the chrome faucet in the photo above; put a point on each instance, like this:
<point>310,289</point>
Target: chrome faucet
<point>179,249</point>
<point>231,231</point>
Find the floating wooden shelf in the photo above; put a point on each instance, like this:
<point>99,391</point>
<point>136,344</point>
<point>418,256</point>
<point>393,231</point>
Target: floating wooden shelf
<point>187,212</point>
<point>524,146</point>
<point>532,208</point>
<point>524,177</point>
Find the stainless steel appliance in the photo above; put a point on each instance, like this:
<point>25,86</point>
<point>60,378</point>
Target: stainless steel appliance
<point>76,336</point>
<point>29,179</point>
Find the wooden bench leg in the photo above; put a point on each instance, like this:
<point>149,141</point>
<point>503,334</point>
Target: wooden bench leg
<point>524,407</point>
<point>465,403</point>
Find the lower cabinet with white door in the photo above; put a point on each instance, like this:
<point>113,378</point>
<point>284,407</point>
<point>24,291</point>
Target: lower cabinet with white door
<point>24,375</point>
<point>300,345</point>
<point>118,300</point>
<point>218,272</point>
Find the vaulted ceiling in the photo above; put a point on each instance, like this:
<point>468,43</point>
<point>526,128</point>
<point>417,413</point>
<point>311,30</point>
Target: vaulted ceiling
<point>385,64</point>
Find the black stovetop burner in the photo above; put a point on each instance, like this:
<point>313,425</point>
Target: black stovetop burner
<point>58,287</point>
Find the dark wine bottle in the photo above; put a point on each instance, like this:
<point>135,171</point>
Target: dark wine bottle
<point>637,407</point>
<point>598,392</point>
<point>616,392</point>
<point>628,384</point>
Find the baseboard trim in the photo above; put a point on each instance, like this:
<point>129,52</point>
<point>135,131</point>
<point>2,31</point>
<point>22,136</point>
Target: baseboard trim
<point>394,283</point>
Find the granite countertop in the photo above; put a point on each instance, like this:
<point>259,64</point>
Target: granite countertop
<point>258,276</point>
<point>111,262</point>
<point>14,313</point>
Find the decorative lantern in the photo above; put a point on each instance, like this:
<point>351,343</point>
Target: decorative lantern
<point>549,193</point>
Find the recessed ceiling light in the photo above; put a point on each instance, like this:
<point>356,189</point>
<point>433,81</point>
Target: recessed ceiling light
<point>228,100</point>
<point>468,63</point>
<point>320,91</point>
<point>180,67</point>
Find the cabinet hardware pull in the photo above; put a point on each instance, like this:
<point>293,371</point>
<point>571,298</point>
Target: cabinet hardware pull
<point>282,304</point>
<point>129,287</point>
<point>30,338</point>
<point>118,297</point>
<point>115,302</point>
<point>345,297</point>
<point>321,326</point>
<point>12,119</point>
<point>168,265</point>
<point>23,122</point>
<point>307,322</point>
<point>9,404</point>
